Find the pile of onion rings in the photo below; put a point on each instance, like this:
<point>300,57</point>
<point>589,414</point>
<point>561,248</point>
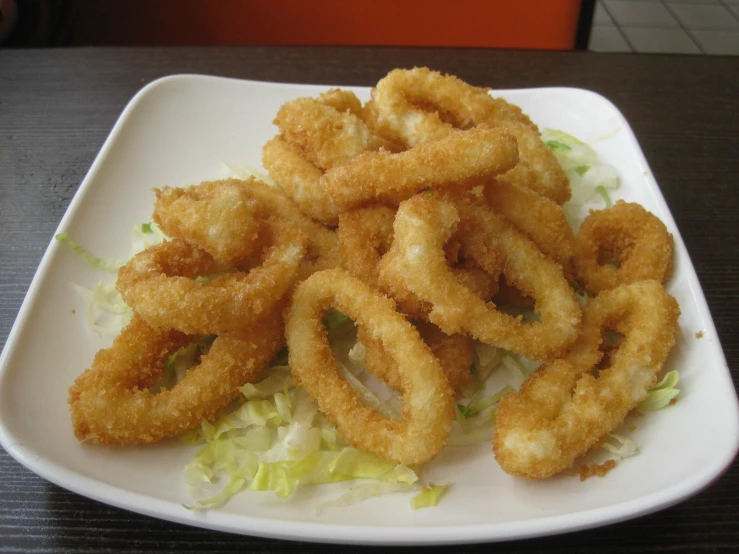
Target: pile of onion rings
<point>424,215</point>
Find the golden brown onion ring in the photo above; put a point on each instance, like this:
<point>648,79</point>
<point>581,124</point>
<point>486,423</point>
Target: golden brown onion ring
<point>366,234</point>
<point>323,252</point>
<point>428,402</point>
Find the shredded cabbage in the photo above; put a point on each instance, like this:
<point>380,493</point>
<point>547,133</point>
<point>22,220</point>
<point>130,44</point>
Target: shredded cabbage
<point>428,497</point>
<point>276,441</point>
<point>662,394</point>
<point>96,262</point>
<point>624,447</point>
<point>588,176</point>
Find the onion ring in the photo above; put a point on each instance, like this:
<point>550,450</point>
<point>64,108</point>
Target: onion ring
<point>462,159</point>
<point>428,402</point>
<point>216,216</point>
<point>565,408</point>
<point>635,238</point>
<point>160,284</point>
<point>417,105</point>
<point>423,225</point>
<point>110,403</point>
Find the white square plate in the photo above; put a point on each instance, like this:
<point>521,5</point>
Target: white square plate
<point>177,131</point>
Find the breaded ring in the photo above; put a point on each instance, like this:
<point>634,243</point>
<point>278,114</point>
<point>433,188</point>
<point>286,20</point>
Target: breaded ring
<point>460,160</point>
<point>428,401</point>
<point>322,134</point>
<point>423,225</point>
<point>299,178</point>
<point>323,251</point>
<point>456,354</point>
<point>416,105</point>
<point>160,284</point>
<point>539,218</point>
<point>566,408</point>
<point>634,238</point>
<point>217,216</point>
<point>110,404</point>
<point>538,168</point>
<point>366,234</point>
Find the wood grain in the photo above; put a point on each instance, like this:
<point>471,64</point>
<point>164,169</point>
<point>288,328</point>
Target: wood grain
<point>57,106</point>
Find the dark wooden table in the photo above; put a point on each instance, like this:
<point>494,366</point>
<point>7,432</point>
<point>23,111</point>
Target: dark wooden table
<point>57,107</point>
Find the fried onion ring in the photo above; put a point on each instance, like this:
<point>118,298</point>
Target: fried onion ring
<point>423,225</point>
<point>566,408</point>
<point>428,402</point>
<point>417,105</point>
<point>160,284</point>
<point>635,239</point>
<point>110,403</point>
<point>216,216</point>
<point>460,160</point>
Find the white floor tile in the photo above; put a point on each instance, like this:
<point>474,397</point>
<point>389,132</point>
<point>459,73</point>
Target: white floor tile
<point>695,16</point>
<point>669,41</point>
<point>607,39</point>
<point>628,12</point>
<point>601,17</point>
<point>718,42</point>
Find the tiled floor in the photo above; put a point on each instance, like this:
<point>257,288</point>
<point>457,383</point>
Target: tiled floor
<point>666,26</point>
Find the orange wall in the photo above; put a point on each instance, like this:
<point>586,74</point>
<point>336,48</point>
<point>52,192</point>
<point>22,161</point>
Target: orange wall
<point>547,24</point>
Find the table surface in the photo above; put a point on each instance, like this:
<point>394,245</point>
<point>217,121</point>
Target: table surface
<point>57,107</point>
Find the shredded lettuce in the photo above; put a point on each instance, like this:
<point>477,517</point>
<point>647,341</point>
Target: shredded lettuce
<point>623,446</point>
<point>96,262</point>
<point>106,312</point>
<point>276,441</point>
<point>661,394</point>
<point>588,176</point>
<point>364,491</point>
<point>428,497</point>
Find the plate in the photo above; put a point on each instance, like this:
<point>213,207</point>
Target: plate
<point>177,131</point>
